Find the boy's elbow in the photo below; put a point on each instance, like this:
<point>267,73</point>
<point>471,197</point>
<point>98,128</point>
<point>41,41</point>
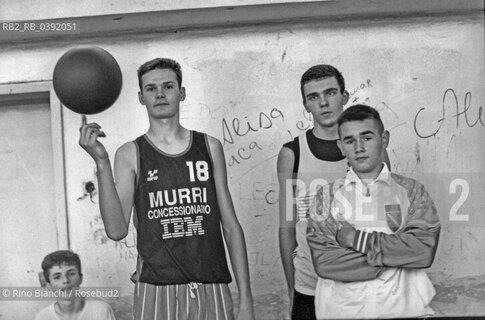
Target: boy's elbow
<point>428,262</point>
<point>422,263</point>
<point>286,233</point>
<point>429,252</point>
<point>117,235</point>
<point>324,271</point>
<point>422,260</point>
<point>427,259</point>
<point>328,271</point>
<point>232,230</point>
<point>324,268</point>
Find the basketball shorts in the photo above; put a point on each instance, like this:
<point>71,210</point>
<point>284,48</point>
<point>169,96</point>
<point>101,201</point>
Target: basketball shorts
<point>192,301</point>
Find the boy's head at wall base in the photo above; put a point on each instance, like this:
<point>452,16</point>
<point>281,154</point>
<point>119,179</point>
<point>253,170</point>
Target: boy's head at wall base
<point>61,270</point>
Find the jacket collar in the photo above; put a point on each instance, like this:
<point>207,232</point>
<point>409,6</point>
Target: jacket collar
<point>384,176</point>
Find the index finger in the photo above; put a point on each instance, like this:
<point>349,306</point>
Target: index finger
<point>84,120</point>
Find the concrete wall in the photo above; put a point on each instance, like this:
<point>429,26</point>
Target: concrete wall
<point>424,74</point>
<point>32,9</point>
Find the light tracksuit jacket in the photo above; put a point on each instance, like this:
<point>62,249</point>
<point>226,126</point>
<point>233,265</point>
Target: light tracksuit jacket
<point>382,275</point>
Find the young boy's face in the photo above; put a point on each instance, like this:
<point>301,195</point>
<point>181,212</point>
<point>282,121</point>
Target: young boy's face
<point>324,100</point>
<point>161,93</point>
<point>363,144</point>
<point>64,277</point>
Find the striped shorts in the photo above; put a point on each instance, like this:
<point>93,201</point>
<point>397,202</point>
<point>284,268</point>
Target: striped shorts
<point>208,301</point>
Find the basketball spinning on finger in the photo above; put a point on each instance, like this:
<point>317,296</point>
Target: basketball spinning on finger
<point>87,80</point>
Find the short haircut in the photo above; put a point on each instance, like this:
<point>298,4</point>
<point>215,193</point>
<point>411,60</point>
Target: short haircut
<point>58,258</point>
<point>321,71</point>
<point>160,63</point>
<point>360,112</point>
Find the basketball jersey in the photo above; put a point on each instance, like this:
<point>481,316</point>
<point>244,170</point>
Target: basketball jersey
<point>179,237</point>
<point>312,172</point>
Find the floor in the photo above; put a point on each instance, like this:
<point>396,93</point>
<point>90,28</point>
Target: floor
<point>454,297</point>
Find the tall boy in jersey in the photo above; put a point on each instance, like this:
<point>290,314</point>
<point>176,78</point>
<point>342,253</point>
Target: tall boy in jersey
<point>176,181</point>
<point>311,156</point>
<point>372,233</point>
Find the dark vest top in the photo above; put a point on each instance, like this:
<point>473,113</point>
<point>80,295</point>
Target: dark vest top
<point>179,236</point>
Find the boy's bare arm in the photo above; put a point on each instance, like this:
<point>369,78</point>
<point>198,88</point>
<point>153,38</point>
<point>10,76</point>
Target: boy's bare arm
<point>287,215</point>
<point>233,233</point>
<point>115,201</point>
<point>125,178</point>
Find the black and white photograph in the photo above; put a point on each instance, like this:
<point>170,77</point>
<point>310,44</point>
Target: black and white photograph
<point>242,159</point>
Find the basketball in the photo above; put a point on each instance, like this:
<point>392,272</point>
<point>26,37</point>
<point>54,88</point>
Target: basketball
<point>87,80</point>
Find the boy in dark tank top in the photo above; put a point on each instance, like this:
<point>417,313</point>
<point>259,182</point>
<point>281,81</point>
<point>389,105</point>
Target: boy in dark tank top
<point>176,181</point>
<point>311,159</point>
